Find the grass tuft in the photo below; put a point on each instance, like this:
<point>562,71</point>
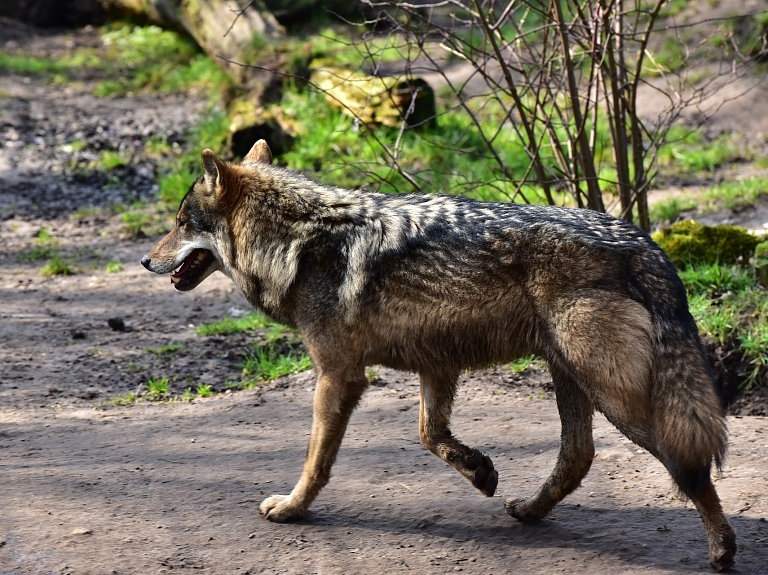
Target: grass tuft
<point>268,364</point>
<point>228,325</point>
<point>157,388</point>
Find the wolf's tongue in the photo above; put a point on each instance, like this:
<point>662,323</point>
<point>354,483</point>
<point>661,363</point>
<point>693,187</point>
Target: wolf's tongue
<point>188,263</point>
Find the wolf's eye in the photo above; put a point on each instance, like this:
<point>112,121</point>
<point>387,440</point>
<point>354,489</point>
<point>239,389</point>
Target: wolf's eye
<point>182,223</point>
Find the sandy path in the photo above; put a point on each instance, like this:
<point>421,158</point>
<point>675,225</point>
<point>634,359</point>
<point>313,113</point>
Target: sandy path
<point>157,488</point>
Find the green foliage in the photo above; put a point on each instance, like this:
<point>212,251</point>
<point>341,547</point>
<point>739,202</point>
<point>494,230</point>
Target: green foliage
<point>135,59</point>
<point>38,253</point>
<point>331,48</point>
<point>111,160</point>
<point>730,308</point>
<point>688,150</point>
<point>754,344</point>
<point>689,242</point>
<point>228,325</point>
<point>166,349</point>
<point>716,279</point>
<point>157,388</point>
<point>44,237</point>
<point>180,171</point>
<point>521,365</point>
<point>148,58</point>
<point>669,210</point>
<point>761,253</point>
<point>114,267</point>
<point>204,390</point>
<point>125,399</point>
<point>20,64</point>
<point>736,195</point>
<point>58,267</point>
<point>451,157</point>
<point>669,56</point>
<point>268,364</point>
<point>135,222</point>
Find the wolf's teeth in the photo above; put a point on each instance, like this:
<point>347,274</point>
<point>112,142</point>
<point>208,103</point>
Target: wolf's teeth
<point>174,279</point>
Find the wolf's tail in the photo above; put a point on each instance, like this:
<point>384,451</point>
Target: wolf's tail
<point>687,420</point>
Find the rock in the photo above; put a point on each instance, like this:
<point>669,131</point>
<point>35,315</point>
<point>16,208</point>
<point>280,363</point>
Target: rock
<point>82,531</point>
<point>116,324</point>
<point>689,242</point>
<point>375,100</point>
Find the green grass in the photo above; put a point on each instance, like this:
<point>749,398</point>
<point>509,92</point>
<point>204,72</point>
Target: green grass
<point>125,399</point>
<point>267,364</point>
<point>166,349</point>
<point>736,195</point>
<point>20,64</point>
<point>522,364</point>
<point>730,308</point>
<point>157,388</point>
<point>58,267</point>
<point>113,267</point>
<point>228,325</point>
<point>181,168</point>
<point>716,279</point>
<point>148,58</point>
<point>204,390</point>
<point>688,151</point>
<point>669,210</point>
<point>450,157</point>
<point>111,160</point>
<point>38,253</point>
<point>133,59</point>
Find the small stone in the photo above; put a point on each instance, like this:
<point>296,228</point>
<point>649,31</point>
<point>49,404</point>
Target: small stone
<point>82,531</point>
<point>116,324</point>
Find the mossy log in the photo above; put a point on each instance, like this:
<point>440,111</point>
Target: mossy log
<point>373,100</point>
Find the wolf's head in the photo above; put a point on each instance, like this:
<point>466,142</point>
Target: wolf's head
<point>192,251</point>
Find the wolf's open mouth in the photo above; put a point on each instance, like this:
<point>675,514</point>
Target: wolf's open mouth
<point>192,270</point>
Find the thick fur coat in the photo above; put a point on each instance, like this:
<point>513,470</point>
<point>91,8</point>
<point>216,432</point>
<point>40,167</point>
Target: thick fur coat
<point>438,284</point>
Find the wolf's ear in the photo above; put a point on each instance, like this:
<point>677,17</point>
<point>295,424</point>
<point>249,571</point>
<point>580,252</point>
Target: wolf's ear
<point>260,152</point>
<point>214,171</point>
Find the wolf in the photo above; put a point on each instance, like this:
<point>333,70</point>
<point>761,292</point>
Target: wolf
<point>437,284</point>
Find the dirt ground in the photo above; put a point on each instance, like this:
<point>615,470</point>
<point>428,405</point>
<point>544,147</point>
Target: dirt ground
<point>89,487</point>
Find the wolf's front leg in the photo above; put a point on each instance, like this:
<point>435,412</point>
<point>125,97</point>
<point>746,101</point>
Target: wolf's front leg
<point>336,396</point>
<point>437,394</point>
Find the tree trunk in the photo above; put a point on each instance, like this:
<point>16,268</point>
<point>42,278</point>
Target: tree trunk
<point>235,33</point>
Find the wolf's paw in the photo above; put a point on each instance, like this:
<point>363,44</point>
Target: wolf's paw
<point>280,509</point>
<point>721,555</point>
<point>521,510</point>
<point>485,478</point>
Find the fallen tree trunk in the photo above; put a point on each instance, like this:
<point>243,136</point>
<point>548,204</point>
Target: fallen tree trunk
<point>232,32</point>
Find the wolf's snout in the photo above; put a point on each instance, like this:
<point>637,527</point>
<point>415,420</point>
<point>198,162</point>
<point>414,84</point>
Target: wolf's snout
<point>145,261</point>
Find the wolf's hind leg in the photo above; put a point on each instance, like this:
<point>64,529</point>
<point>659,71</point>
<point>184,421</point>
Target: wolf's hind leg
<point>336,396</point>
<point>437,395</point>
<point>576,452</point>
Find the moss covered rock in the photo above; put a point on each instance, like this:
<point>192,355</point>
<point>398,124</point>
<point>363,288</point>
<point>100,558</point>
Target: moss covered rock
<point>689,242</point>
<point>377,100</point>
